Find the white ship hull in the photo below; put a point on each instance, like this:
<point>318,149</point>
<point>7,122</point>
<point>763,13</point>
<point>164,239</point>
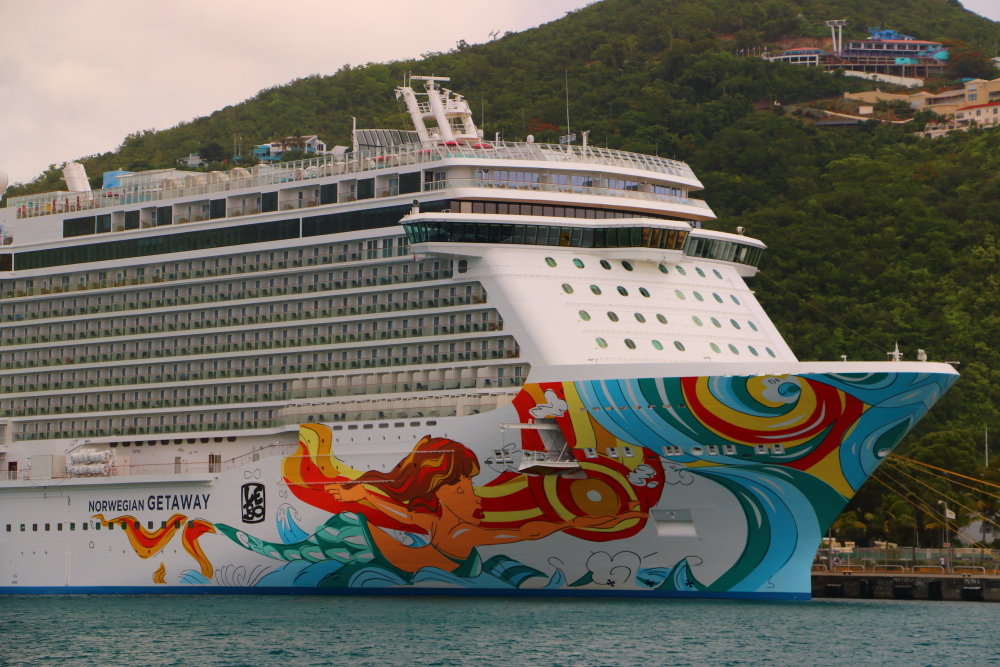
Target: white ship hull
<point>718,486</point>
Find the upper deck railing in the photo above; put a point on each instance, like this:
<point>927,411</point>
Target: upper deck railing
<point>154,186</point>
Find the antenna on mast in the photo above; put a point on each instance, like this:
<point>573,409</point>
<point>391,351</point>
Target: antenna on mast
<point>567,102</point>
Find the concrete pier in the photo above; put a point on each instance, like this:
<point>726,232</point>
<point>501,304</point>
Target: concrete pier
<point>906,586</point>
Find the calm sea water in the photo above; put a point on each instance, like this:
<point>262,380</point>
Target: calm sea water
<point>360,631</point>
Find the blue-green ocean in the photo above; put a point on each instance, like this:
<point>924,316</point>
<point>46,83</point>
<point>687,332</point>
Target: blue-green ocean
<point>138,631</point>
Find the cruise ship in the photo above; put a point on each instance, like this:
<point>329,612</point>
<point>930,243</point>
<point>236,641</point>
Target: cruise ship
<point>433,364</point>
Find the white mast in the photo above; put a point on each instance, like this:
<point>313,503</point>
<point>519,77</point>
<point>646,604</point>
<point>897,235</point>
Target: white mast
<point>412,106</point>
<point>443,107</point>
<point>437,108</point>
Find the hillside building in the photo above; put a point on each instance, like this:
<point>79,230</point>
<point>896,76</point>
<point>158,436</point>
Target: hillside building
<point>885,52</point>
<point>273,151</point>
<point>976,103</point>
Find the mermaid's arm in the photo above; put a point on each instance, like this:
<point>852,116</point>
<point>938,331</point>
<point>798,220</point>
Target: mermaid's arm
<point>356,492</point>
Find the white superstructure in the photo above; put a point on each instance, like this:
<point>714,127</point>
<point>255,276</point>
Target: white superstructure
<point>215,308</point>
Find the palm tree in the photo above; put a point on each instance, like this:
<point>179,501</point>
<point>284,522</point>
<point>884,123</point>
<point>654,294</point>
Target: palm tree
<point>848,523</point>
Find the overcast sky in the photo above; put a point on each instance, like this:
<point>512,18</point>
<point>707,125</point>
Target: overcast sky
<point>76,76</point>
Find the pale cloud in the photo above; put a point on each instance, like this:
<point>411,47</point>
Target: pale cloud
<point>77,76</point>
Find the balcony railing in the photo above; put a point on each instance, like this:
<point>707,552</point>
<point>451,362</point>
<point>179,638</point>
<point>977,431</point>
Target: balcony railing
<point>185,218</point>
<point>236,211</point>
<point>294,204</point>
<point>360,409</point>
<point>565,189</point>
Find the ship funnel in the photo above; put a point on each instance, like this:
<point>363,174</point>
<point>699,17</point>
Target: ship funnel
<point>76,177</point>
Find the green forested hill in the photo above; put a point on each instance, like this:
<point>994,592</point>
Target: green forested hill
<point>656,75</point>
<point>895,238</point>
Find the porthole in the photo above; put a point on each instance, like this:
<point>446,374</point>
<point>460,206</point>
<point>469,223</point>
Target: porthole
<point>715,348</point>
<point>770,352</point>
<point>612,316</point>
<point>602,343</point>
<point>629,343</point>
<point>699,272</point>
<point>716,297</point>
<point>567,288</point>
<point>657,345</point>
<point>626,265</point>
<point>753,351</point>
<point>680,270</point>
<point>697,320</point>
<point>585,316</point>
<point>550,261</point>
<point>752,326</point>
<point>578,263</point>
<point>717,274</point>
<point>640,318</point>
<point>698,296</point>
<point>662,268</point>
<point>679,294</point>
<point>735,300</point>
<point>662,319</point>
<point>622,291</point>
<point>595,289</point>
<point>643,291</point>
<point>605,264</point>
<point>679,345</point>
<point>716,323</point>
<point>732,348</point>
<point>735,324</point>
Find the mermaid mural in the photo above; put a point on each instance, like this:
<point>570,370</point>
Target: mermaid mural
<point>421,522</point>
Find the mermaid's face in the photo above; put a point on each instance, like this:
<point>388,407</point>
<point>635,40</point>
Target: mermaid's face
<point>461,500</point>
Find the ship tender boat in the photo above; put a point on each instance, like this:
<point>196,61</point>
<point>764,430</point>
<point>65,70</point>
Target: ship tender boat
<point>432,364</point>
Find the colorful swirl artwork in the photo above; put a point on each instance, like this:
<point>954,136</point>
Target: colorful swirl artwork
<point>790,451</point>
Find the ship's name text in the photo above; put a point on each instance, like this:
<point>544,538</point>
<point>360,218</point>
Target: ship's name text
<point>190,501</point>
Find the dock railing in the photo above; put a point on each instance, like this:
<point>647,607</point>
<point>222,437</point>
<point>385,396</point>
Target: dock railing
<point>957,560</point>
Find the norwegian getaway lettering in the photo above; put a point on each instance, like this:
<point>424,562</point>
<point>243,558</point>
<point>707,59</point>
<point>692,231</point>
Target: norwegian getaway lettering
<point>190,501</point>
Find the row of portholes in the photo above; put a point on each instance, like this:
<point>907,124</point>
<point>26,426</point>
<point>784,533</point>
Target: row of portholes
<point>736,350</point>
<point>605,264</point>
<point>630,344</point>
<point>566,287</point>
<point>736,325</point>
<point>578,263</point>
<point>680,270</point>
<point>697,295</point>
<point>585,316</point>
